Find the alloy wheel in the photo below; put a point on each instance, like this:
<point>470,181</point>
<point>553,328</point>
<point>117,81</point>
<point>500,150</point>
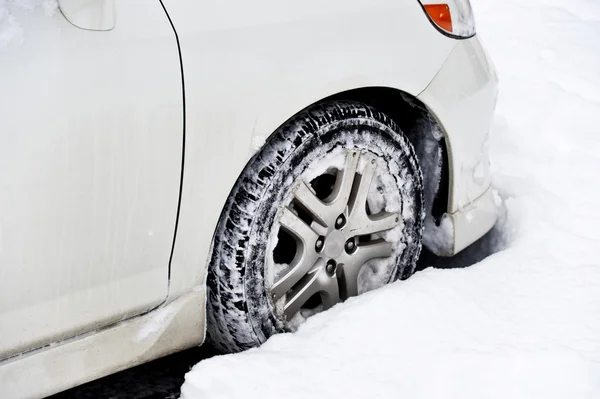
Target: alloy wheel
<point>333,234</point>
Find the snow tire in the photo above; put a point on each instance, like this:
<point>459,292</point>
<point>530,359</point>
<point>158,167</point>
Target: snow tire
<point>240,313</point>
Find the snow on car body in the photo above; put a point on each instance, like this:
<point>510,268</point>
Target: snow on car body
<point>121,146</point>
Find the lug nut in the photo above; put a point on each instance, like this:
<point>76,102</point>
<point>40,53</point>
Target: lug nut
<point>340,222</point>
<point>350,246</point>
<point>319,244</point>
<point>330,267</point>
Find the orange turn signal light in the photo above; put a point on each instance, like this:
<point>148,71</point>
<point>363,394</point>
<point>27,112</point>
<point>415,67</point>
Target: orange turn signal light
<point>440,14</point>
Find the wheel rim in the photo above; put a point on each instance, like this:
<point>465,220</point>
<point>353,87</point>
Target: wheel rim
<point>334,237</point>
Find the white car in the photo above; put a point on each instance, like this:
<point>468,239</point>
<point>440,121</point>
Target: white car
<point>176,169</point>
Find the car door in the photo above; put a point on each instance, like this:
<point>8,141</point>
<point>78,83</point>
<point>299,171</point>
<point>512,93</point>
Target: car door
<point>91,135</point>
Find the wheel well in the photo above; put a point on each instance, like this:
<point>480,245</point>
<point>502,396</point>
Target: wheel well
<point>419,125</point>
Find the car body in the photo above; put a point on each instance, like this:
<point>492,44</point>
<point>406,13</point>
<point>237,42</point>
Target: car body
<point>121,141</point>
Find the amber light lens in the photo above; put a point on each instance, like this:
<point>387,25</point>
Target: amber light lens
<point>440,14</point>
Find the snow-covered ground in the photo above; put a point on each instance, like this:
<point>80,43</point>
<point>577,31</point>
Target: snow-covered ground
<point>524,322</point>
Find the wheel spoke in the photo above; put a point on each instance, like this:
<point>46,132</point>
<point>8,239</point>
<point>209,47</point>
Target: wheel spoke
<point>344,182</point>
<point>309,201</point>
<point>359,199</point>
<point>382,221</point>
<point>305,258</point>
<point>374,249</point>
<point>298,269</point>
<point>353,263</point>
<point>296,226</point>
<point>359,222</point>
<point>349,279</point>
<point>331,295</point>
<point>317,281</point>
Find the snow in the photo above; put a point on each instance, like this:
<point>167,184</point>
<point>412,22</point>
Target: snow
<point>11,31</point>
<point>258,142</point>
<point>156,323</point>
<point>525,321</point>
<point>439,238</point>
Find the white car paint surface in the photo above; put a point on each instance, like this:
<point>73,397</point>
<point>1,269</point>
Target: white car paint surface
<point>247,71</point>
<point>92,128</point>
<point>89,168</point>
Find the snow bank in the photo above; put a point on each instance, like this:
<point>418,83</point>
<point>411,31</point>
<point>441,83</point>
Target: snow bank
<point>524,322</point>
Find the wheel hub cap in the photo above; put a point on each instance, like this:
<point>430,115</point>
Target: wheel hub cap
<point>334,244</point>
<point>331,268</point>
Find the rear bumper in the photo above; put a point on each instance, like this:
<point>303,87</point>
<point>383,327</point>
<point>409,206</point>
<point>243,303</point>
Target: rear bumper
<point>462,97</point>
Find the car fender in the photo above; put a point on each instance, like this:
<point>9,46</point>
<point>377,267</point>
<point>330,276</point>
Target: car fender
<point>247,71</point>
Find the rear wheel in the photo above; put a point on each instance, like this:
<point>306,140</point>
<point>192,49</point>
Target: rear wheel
<point>330,208</point>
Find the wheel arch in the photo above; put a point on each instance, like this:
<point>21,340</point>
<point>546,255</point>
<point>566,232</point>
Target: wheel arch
<point>415,120</point>
<point>412,116</point>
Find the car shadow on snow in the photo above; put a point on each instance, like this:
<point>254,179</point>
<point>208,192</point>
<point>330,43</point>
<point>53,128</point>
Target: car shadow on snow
<point>494,241</point>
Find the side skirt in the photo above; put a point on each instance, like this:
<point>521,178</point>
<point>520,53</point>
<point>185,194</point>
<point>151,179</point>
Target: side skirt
<point>63,365</point>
